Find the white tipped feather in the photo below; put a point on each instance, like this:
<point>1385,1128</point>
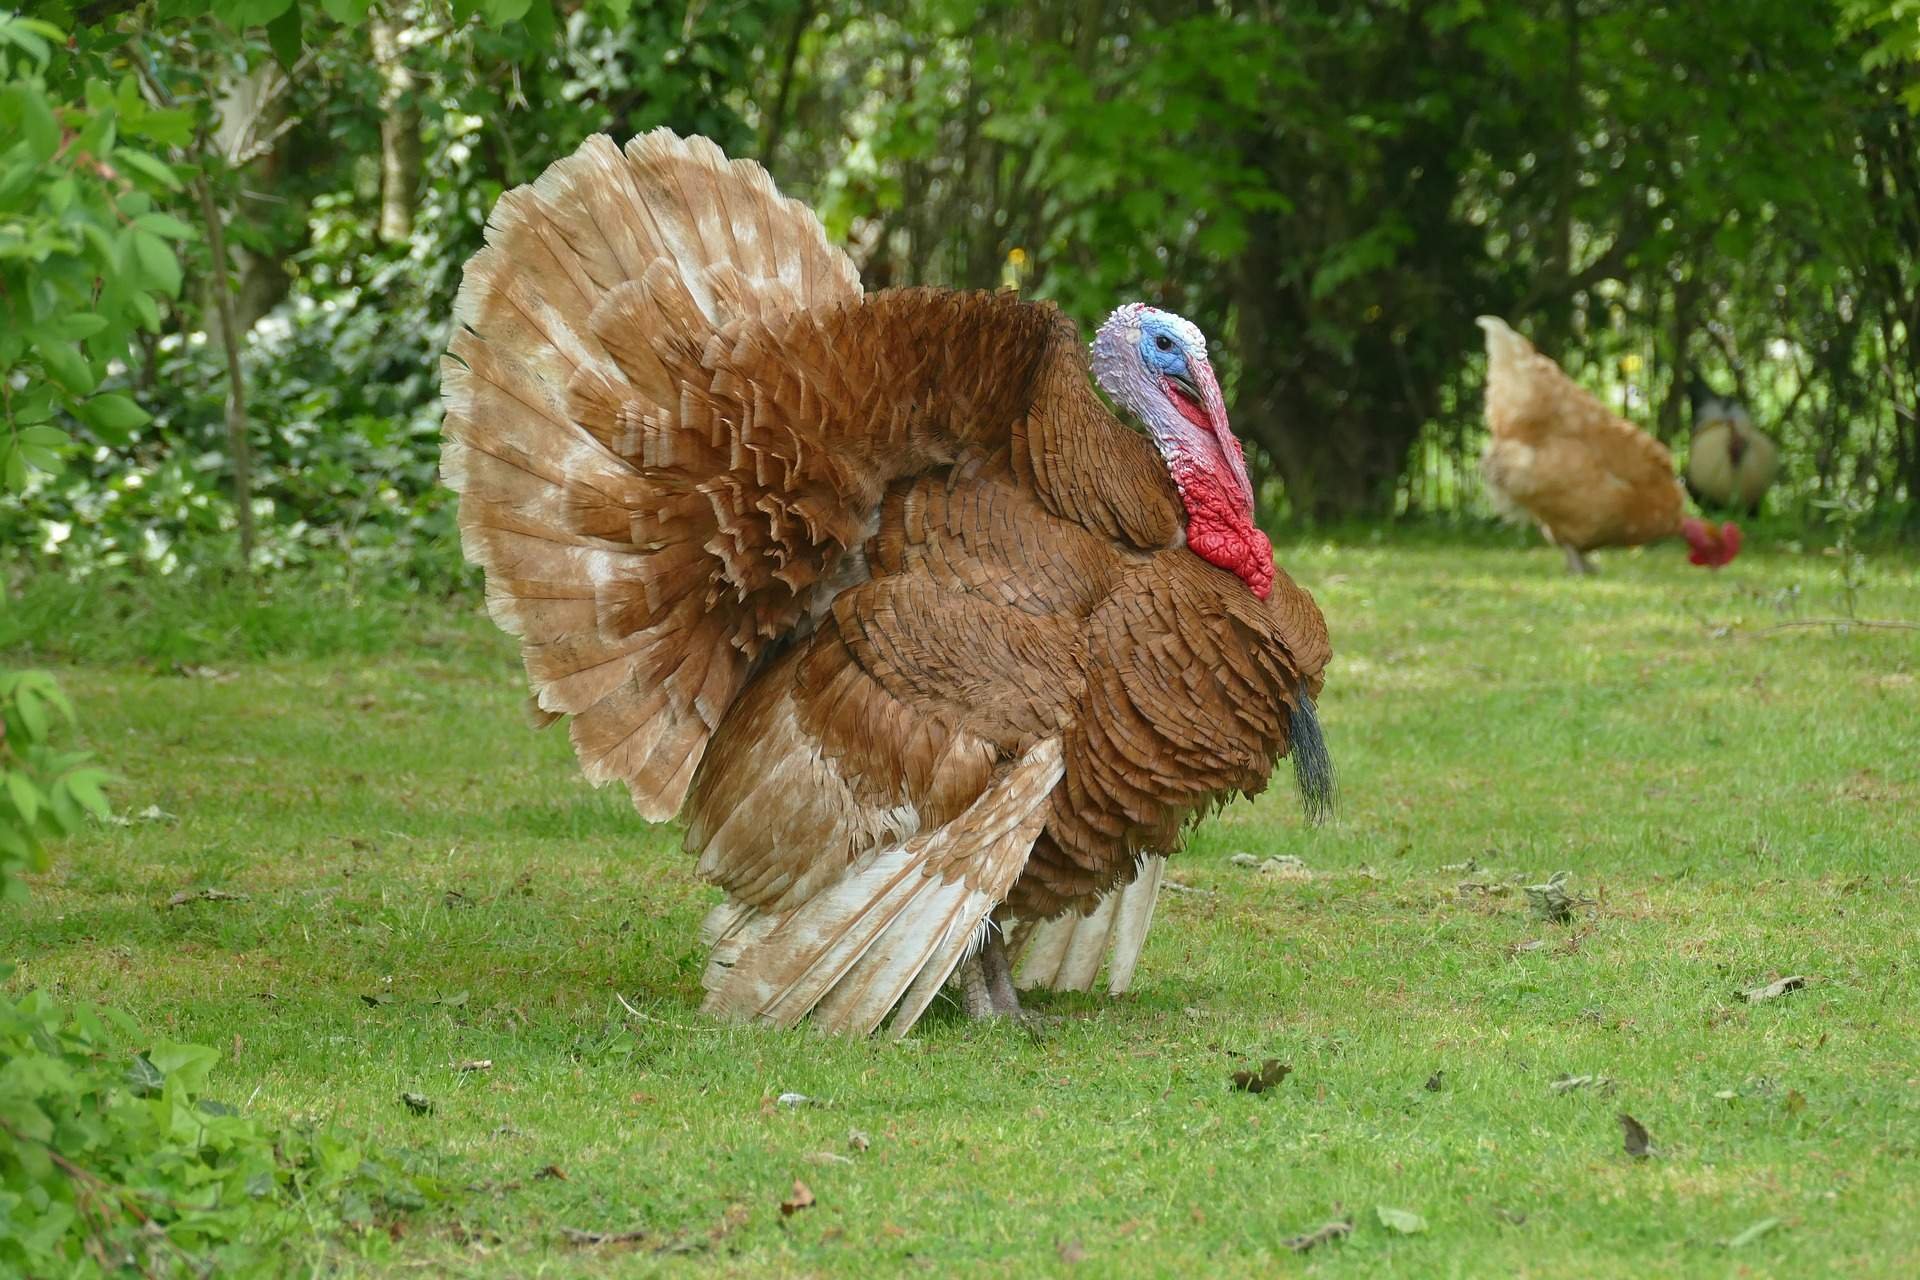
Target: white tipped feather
<point>899,920</point>
<point>1064,953</point>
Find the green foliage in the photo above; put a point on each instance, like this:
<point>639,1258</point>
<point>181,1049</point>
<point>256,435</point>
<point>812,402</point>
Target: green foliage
<point>86,250</point>
<point>113,1163</point>
<point>44,791</point>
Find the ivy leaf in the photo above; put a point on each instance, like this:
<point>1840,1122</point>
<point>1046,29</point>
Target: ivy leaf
<point>145,1079</point>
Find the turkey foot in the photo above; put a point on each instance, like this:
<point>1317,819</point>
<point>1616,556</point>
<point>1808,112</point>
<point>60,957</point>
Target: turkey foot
<point>1577,564</point>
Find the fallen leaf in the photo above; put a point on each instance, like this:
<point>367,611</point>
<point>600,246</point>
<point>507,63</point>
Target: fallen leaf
<point>1774,990</point>
<point>1284,865</point>
<point>194,671</point>
<point>1552,902</point>
<point>1433,1081</point>
<point>586,1239</point>
<point>1271,1073</point>
<point>1796,1102</point>
<point>1072,1252</point>
<point>476,1064</point>
<point>1531,944</point>
<point>1566,1084</point>
<point>858,1140</point>
<point>794,1100</point>
<point>1320,1235</point>
<point>378,998</point>
<point>418,1103</point>
<point>1638,1142</point>
<point>802,1198</point>
<point>1514,1216</point>
<point>1404,1221</point>
<point>453,1001</point>
<point>552,1173</point>
<point>154,813</point>
<point>1753,1233</point>
<point>185,896</point>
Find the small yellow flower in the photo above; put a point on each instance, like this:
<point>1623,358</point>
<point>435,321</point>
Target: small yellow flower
<point>1017,257</point>
<point>1630,363</point>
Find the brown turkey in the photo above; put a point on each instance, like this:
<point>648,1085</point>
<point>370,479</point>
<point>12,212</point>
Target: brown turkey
<point>936,658</point>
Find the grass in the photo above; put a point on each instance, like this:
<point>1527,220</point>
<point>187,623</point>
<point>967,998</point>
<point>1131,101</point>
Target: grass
<point>1738,806</point>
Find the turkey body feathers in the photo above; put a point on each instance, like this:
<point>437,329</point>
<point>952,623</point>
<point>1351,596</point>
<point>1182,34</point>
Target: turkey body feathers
<point>873,587</point>
<point>1555,454</point>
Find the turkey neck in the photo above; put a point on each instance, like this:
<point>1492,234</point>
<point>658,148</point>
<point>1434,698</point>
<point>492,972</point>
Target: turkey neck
<point>1209,470</point>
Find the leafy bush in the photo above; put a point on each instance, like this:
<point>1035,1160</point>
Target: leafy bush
<point>113,1164</point>
<point>43,792</point>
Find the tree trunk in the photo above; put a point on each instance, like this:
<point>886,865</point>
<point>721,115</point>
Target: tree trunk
<point>238,448</point>
<point>400,158</point>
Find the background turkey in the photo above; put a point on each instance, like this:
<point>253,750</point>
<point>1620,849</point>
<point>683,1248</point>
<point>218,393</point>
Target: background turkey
<point>874,587</point>
<point>1730,463</point>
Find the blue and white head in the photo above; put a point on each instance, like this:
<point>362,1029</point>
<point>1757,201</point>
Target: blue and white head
<point>1155,367</point>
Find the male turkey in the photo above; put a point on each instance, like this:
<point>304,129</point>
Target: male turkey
<point>924,644</point>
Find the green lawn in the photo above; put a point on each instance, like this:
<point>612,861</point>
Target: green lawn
<point>1738,806</point>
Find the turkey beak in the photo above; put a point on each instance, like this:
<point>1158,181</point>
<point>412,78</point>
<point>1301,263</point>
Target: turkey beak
<point>1188,386</point>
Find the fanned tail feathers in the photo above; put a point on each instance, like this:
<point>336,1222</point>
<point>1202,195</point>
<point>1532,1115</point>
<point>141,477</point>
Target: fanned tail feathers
<point>594,278</point>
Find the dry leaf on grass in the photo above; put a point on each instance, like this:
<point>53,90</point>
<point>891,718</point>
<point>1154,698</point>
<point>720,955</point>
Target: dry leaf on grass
<point>1320,1235</point>
<point>1551,901</point>
<point>1634,1135</point>
<point>1401,1221</point>
<point>1753,1233</point>
<point>1567,1084</point>
<point>587,1239</point>
<point>185,896</point>
<point>552,1173</point>
<point>802,1198</point>
<point>476,1064</point>
<point>1774,990</point>
<point>1271,1073</point>
<point>418,1103</point>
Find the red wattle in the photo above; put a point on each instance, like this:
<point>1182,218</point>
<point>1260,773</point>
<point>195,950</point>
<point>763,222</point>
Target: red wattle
<point>1218,531</point>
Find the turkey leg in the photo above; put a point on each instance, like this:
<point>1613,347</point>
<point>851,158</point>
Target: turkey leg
<point>986,982</point>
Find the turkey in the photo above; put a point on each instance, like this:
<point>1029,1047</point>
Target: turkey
<point>927,649</point>
<point>1585,475</point>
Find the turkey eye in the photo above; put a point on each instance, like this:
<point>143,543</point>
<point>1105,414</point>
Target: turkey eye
<point>1163,342</point>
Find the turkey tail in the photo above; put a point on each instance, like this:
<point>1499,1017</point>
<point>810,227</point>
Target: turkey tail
<point>1065,953</point>
<point>892,929</point>
<point>595,280</point>
<point>1312,763</point>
